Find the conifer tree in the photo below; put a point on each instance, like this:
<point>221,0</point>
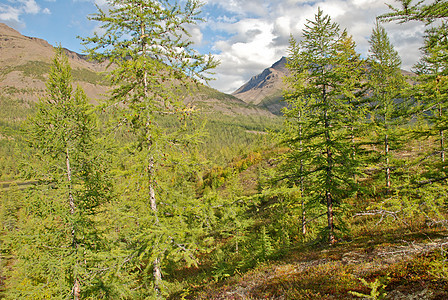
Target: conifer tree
<point>323,101</point>
<point>153,66</point>
<point>432,66</point>
<point>418,10</point>
<point>58,243</point>
<point>295,119</point>
<point>432,91</point>
<point>386,84</point>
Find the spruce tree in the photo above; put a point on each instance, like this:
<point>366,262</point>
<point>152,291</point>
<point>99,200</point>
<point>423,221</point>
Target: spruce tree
<point>323,106</point>
<point>153,66</point>
<point>58,243</point>
<point>386,85</point>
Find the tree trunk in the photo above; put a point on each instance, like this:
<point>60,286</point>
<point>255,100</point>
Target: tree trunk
<point>352,129</point>
<point>157,273</point>
<point>329,175</point>
<point>442,140</point>
<point>71,200</point>
<point>302,186</point>
<point>76,290</point>
<point>330,220</point>
<point>153,204</point>
<point>386,154</point>
<point>152,194</point>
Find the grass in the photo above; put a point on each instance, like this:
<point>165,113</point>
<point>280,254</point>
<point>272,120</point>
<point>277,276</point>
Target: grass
<point>40,69</point>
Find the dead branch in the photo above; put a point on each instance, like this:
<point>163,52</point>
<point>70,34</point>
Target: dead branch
<point>382,213</point>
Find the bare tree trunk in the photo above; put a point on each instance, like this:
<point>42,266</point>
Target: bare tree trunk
<point>76,290</point>
<point>303,214</point>
<point>302,186</point>
<point>330,220</point>
<point>329,179</point>
<point>353,152</point>
<point>157,273</point>
<point>71,200</point>
<point>442,139</point>
<point>386,154</point>
<point>152,194</point>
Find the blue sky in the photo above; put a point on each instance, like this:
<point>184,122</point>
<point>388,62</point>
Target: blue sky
<point>247,36</point>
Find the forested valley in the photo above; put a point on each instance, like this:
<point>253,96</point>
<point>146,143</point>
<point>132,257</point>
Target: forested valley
<point>143,195</point>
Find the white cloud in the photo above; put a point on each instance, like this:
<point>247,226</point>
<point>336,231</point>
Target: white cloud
<point>30,7</point>
<point>100,3</point>
<point>255,33</point>
<point>11,13</point>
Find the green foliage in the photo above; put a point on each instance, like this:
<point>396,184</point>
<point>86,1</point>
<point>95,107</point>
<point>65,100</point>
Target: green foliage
<point>419,10</point>
<point>35,69</point>
<point>431,93</point>
<point>40,69</point>
<point>207,200</point>
<point>57,245</point>
<point>142,39</point>
<point>12,114</point>
<point>323,116</point>
<point>386,85</point>
<point>377,287</point>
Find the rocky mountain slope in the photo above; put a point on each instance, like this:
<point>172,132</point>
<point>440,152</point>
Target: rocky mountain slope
<point>265,89</point>
<point>26,61</point>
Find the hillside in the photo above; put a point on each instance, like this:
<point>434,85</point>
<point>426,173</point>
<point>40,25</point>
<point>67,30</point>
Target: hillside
<point>25,63</point>
<point>136,202</point>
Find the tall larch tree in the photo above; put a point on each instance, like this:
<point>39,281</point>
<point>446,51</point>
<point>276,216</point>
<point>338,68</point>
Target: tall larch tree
<point>58,243</point>
<point>430,93</point>
<point>432,66</point>
<point>322,103</point>
<point>153,65</point>
<point>386,86</point>
<point>432,90</point>
<point>295,114</point>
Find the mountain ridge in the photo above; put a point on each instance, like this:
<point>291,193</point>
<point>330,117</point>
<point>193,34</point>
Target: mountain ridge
<point>25,63</point>
<point>266,89</point>
<point>265,83</point>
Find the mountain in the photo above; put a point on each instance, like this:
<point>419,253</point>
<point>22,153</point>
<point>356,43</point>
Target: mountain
<point>265,89</point>
<point>25,63</point>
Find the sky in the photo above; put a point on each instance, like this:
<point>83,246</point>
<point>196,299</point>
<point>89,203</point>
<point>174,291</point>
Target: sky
<point>247,36</point>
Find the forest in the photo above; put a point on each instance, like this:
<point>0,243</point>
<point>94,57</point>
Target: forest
<point>143,196</point>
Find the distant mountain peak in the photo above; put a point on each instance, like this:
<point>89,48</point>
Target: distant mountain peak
<point>265,87</point>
